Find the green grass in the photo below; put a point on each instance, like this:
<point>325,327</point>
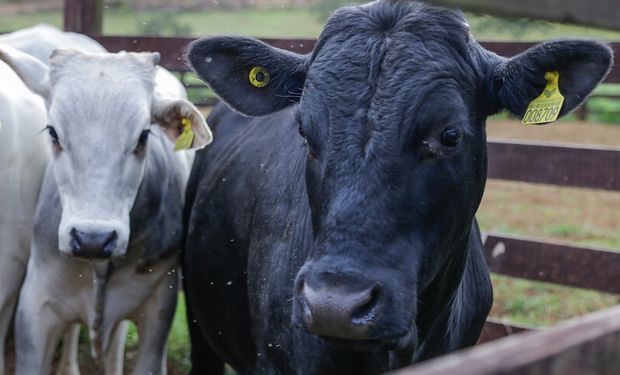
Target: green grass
<point>288,23</point>
<point>178,340</point>
<point>543,304</point>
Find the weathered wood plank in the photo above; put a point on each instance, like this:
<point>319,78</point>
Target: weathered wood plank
<point>553,262</point>
<point>72,15</point>
<point>83,16</point>
<point>496,329</point>
<point>598,13</point>
<point>585,345</point>
<point>92,16</point>
<point>173,49</point>
<point>546,163</point>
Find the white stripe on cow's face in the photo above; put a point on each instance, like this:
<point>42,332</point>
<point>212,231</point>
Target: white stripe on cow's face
<point>100,106</point>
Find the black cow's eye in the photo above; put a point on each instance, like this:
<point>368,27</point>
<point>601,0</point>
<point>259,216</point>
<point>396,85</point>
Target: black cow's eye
<point>451,136</point>
<point>53,134</point>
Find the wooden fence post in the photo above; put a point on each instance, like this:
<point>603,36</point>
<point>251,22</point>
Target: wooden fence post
<point>83,16</point>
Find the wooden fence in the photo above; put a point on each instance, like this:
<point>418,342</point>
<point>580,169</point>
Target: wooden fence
<point>585,345</point>
<point>172,51</point>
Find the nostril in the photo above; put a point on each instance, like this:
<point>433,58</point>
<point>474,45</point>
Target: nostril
<point>110,242</point>
<point>365,312</point>
<point>75,240</point>
<point>301,296</point>
<point>300,287</point>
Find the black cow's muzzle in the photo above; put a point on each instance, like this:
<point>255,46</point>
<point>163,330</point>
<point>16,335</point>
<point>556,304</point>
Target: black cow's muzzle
<point>338,311</point>
<point>345,308</point>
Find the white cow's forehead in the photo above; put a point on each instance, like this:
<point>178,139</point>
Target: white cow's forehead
<point>84,69</point>
<point>100,91</point>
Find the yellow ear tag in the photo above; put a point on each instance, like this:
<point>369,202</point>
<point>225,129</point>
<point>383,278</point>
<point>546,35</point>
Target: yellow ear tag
<point>546,107</point>
<point>186,139</point>
<point>259,76</point>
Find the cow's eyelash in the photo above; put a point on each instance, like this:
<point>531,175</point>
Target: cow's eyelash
<point>52,133</point>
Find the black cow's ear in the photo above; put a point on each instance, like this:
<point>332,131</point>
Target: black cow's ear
<point>581,64</point>
<point>253,77</point>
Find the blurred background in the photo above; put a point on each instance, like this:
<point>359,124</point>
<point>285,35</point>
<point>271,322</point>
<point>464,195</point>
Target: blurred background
<point>575,216</point>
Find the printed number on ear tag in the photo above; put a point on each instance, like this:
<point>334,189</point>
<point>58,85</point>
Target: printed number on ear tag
<point>186,139</point>
<point>259,76</point>
<point>546,107</point>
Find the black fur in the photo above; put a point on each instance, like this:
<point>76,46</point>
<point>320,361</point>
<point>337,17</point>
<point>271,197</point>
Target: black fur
<point>370,194</point>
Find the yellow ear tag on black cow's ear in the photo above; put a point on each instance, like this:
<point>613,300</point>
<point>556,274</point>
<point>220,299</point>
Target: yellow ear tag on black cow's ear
<point>186,139</point>
<point>546,107</point>
<point>259,76</point>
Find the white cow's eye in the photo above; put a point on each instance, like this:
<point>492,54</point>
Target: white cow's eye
<point>52,133</point>
<point>54,137</point>
<point>144,136</point>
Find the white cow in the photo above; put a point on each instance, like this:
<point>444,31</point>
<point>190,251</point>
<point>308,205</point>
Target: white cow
<point>23,156</point>
<point>40,41</point>
<point>108,220</point>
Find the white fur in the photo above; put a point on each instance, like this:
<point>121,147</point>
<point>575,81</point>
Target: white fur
<point>40,40</point>
<point>23,155</point>
<point>98,104</point>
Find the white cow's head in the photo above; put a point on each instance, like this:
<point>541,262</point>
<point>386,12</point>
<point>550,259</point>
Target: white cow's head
<point>100,109</point>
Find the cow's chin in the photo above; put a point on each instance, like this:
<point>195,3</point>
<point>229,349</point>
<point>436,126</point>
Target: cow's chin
<point>371,344</point>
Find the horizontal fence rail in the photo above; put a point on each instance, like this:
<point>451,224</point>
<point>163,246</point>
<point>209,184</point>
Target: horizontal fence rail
<point>567,165</point>
<point>496,329</point>
<point>173,48</point>
<point>552,262</point>
<point>585,345</point>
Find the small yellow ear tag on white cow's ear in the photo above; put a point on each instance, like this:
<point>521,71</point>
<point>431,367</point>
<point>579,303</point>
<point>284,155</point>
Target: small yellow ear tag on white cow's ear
<point>546,107</point>
<point>186,139</point>
<point>259,76</point>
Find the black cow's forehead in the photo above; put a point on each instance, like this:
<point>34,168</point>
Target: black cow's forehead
<point>384,60</point>
<point>397,19</point>
<point>392,42</point>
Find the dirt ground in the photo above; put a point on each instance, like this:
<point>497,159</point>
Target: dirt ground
<point>577,215</point>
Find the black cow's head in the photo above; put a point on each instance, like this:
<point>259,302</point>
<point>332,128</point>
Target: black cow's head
<point>392,104</point>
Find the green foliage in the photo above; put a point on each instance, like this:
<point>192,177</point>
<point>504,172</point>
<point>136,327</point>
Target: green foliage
<point>178,341</point>
<point>163,22</point>
<point>515,28</point>
<point>324,8</point>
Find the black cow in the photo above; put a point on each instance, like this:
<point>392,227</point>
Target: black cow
<point>336,234</point>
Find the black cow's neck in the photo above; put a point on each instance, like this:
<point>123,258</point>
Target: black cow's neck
<point>436,299</point>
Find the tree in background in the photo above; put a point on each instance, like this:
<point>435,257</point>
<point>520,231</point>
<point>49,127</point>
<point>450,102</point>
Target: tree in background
<point>324,8</point>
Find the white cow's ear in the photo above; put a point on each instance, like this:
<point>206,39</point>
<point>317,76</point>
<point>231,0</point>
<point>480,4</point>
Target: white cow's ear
<point>33,72</point>
<point>173,113</point>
